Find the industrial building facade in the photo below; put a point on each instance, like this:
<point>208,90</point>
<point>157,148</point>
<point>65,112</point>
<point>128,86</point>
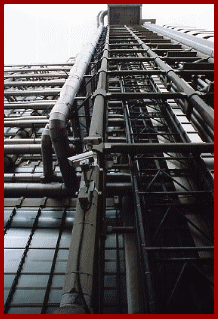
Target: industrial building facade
<point>108,163</point>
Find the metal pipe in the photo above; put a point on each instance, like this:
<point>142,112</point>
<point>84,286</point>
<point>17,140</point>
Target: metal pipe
<point>80,266</point>
<point>10,160</point>
<point>53,190</point>
<point>34,83</point>
<point>30,140</point>
<point>38,64</point>
<point>9,93</point>
<point>35,75</point>
<point>63,68</point>
<point>25,123</point>
<point>60,112</point>
<point>28,149</point>
<point>37,117</point>
<point>97,18</point>
<point>40,104</point>
<point>46,149</point>
<point>202,45</point>
<point>159,147</point>
<point>132,280</point>
<point>206,111</point>
<point>29,178</point>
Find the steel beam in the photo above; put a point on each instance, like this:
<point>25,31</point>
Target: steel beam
<point>134,148</point>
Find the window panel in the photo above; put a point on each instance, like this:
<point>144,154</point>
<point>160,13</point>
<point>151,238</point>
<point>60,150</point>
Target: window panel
<point>58,281</point>
<point>55,296</point>
<point>12,258</point>
<point>16,238</point>
<point>31,281</point>
<point>8,280</point>
<point>24,310</point>
<point>28,296</point>
<point>45,238</point>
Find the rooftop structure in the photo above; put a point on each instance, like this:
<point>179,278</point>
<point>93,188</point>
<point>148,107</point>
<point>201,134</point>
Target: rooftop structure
<point>109,175</point>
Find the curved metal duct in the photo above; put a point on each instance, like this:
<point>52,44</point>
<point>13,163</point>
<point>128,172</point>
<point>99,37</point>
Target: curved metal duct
<point>60,112</point>
<point>46,149</point>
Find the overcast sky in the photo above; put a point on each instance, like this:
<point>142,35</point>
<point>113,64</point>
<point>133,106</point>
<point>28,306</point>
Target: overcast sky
<point>51,33</point>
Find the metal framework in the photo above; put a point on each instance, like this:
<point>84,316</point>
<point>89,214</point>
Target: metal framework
<point>122,154</point>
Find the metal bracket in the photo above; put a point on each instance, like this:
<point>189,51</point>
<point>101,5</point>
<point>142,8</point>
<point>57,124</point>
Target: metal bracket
<point>85,193</point>
<point>99,92</point>
<point>94,139</point>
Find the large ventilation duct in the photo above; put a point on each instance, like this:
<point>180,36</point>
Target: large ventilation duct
<point>60,112</point>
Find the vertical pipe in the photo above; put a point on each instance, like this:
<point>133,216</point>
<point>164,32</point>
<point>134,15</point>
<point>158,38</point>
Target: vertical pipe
<point>60,112</point>
<point>46,149</point>
<point>78,286</point>
<point>132,280</point>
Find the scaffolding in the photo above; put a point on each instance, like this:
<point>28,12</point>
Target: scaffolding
<point>115,147</point>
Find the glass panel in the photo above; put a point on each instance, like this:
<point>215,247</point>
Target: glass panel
<point>60,267</point>
<point>55,296</point>
<point>110,297</point>
<point>7,214</point>
<point>31,281</point>
<point>63,255</point>
<point>49,218</point>
<point>110,241</point>
<point>51,309</point>
<point>24,310</point>
<point>69,220</point>
<point>28,296</point>
<point>65,239</point>
<point>110,254</point>
<point>24,218</point>
<point>110,213</point>
<point>120,241</point>
<point>110,266</point>
<point>110,281</point>
<point>38,261</point>
<point>12,258</point>
<point>8,280</point>
<point>6,292</point>
<point>44,238</point>
<point>16,238</point>
<point>58,281</point>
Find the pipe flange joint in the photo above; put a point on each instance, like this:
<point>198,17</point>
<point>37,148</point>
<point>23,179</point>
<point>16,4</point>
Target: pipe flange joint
<point>190,105</point>
<point>167,72</point>
<point>102,70</point>
<point>194,93</point>
<point>99,92</point>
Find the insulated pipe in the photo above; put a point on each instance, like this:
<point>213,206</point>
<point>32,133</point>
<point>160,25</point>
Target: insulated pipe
<point>202,45</point>
<point>46,148</point>
<point>132,280</point>
<point>41,104</point>
<point>29,140</point>
<point>25,123</point>
<point>34,83</point>
<point>36,190</point>
<point>63,68</point>
<point>35,75</point>
<point>29,178</point>
<point>9,160</point>
<point>28,149</point>
<point>78,287</point>
<point>206,112</point>
<point>60,113</point>
<point>98,23</point>
<point>47,92</point>
<point>38,117</point>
